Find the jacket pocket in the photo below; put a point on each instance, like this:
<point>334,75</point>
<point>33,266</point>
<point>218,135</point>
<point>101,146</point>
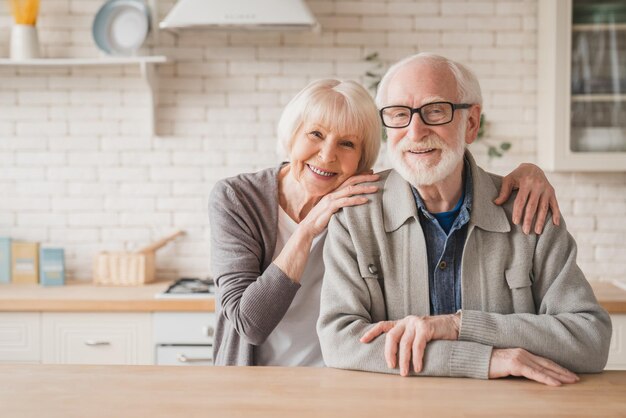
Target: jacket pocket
<point>520,284</point>
<point>371,272</point>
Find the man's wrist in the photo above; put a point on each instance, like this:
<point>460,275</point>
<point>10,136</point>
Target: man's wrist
<point>446,327</point>
<point>456,323</point>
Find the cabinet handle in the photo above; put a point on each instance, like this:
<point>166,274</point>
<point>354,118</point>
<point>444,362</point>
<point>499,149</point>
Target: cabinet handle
<point>184,359</point>
<point>93,343</point>
<point>208,330</point>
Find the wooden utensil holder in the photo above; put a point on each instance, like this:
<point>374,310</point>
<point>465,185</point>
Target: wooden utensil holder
<point>129,268</point>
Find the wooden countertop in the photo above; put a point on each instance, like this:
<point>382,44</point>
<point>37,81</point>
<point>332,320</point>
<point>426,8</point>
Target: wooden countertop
<point>165,391</point>
<point>86,297</point>
<point>611,297</point>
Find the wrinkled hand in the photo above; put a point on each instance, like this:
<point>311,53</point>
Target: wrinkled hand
<point>344,195</point>
<point>519,362</point>
<point>406,339</point>
<point>536,195</point>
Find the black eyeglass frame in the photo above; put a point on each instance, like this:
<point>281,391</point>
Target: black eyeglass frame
<point>418,110</point>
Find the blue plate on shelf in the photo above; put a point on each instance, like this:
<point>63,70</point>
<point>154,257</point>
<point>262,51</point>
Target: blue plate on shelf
<point>121,26</point>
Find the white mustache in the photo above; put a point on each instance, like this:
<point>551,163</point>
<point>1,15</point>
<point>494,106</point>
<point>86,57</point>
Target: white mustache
<point>431,141</point>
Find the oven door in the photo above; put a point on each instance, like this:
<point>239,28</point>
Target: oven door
<point>184,355</point>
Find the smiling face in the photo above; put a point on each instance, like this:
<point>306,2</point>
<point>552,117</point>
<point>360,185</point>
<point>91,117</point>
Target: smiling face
<point>330,131</point>
<point>423,154</point>
<point>323,157</point>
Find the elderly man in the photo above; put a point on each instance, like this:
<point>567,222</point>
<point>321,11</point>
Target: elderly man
<point>433,278</point>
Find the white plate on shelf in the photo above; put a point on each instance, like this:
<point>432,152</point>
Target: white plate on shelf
<point>121,26</point>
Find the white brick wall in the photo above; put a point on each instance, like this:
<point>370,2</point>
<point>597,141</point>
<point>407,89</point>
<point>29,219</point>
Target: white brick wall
<point>78,170</point>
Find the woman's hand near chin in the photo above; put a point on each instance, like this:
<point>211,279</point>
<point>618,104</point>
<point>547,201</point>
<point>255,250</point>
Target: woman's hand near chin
<point>293,258</point>
<point>347,194</point>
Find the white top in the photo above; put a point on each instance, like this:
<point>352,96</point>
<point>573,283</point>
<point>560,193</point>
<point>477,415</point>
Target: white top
<point>294,341</point>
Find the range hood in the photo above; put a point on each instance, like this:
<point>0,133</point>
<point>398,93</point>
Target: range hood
<point>240,14</point>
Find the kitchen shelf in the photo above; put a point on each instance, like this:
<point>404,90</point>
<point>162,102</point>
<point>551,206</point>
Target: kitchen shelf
<point>146,65</point>
<point>599,97</point>
<point>68,62</point>
<point>584,27</point>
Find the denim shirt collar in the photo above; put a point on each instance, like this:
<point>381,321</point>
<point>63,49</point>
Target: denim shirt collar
<point>399,204</point>
<point>466,208</point>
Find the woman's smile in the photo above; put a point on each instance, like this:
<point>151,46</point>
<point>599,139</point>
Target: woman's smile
<point>321,173</point>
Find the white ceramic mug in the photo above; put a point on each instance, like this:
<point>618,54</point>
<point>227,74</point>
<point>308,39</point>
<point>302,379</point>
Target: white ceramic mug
<point>24,42</point>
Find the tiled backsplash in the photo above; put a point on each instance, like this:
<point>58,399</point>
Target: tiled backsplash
<point>79,170</point>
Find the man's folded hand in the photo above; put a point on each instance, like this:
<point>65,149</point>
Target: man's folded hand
<point>406,339</point>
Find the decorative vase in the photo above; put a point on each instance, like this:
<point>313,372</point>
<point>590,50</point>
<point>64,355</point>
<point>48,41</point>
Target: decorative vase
<point>24,42</point>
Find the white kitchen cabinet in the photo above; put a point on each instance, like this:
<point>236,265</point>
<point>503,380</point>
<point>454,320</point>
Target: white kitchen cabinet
<point>20,337</point>
<point>97,338</point>
<point>581,89</point>
<point>183,327</point>
<point>617,353</point>
<point>183,338</point>
<point>184,355</point>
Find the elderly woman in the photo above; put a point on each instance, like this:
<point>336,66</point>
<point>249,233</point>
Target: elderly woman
<point>268,228</point>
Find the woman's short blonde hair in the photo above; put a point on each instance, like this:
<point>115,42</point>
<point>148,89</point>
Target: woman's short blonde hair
<point>343,105</point>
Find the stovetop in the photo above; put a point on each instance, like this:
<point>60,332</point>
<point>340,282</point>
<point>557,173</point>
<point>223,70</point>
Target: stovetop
<point>189,287</point>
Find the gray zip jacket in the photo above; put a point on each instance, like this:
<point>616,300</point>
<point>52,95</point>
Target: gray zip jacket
<point>253,294</point>
<point>518,290</point>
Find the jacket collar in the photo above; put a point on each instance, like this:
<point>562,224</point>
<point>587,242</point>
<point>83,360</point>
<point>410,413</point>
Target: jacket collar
<point>399,204</point>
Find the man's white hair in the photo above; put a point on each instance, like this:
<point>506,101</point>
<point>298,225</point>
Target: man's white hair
<point>467,84</point>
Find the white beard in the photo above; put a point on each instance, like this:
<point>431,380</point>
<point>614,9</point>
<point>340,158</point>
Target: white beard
<point>421,173</point>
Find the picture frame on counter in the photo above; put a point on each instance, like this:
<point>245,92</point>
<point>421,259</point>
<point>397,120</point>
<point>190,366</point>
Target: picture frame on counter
<point>25,262</point>
<point>5,260</point>
<point>52,267</point>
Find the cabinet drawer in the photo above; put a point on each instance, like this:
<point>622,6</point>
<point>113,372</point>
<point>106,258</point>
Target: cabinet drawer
<point>617,352</point>
<point>183,328</point>
<point>20,339</point>
<point>184,355</point>
<point>97,338</point>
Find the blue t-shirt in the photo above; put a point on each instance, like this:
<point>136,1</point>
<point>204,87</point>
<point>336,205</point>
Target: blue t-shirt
<point>446,219</point>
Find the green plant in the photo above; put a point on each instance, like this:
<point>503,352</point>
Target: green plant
<point>373,78</point>
<point>375,74</point>
<point>496,150</point>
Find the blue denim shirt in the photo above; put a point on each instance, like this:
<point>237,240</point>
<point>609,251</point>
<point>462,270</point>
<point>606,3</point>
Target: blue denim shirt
<point>445,251</point>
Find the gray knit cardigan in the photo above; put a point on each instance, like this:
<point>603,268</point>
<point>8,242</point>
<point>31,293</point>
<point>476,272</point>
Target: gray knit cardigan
<point>253,294</point>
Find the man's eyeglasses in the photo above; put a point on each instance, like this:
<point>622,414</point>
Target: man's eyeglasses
<point>436,113</point>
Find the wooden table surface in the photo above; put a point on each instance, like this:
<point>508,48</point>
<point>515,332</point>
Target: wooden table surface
<point>160,391</point>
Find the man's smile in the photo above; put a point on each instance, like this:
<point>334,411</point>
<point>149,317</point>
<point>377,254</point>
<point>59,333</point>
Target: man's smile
<point>423,151</point>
